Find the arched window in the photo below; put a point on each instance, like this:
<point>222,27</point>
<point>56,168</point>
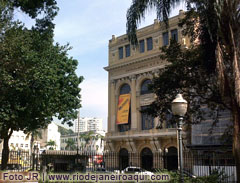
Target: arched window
<point>171,159</point>
<point>125,89</point>
<point>147,159</point>
<point>145,88</point>
<point>123,158</point>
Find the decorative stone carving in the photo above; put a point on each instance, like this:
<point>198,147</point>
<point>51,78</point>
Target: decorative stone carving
<point>155,144</point>
<point>113,81</point>
<point>132,145</point>
<point>110,145</point>
<point>133,77</point>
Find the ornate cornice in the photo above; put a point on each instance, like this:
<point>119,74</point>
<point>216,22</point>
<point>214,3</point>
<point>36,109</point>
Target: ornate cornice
<point>132,62</point>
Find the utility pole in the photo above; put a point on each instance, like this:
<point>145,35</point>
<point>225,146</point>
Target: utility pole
<point>78,127</point>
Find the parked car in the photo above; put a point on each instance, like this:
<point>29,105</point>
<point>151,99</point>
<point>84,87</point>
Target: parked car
<point>137,170</point>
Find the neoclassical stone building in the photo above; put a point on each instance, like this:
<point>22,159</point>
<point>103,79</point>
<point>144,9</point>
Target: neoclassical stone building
<point>130,71</point>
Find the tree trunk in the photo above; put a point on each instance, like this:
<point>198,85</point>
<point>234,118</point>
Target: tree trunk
<point>5,151</point>
<point>236,137</point>
<point>31,143</point>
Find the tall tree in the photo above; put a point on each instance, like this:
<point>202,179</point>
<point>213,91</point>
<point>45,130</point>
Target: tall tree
<point>38,79</point>
<point>88,138</point>
<point>70,144</point>
<point>216,24</point>
<point>51,144</point>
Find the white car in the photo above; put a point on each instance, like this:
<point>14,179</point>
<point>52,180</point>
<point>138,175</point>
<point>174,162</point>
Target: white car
<point>137,170</point>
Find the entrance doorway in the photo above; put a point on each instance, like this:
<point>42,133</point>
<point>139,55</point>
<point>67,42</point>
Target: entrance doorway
<point>171,159</point>
<point>123,158</point>
<point>147,159</point>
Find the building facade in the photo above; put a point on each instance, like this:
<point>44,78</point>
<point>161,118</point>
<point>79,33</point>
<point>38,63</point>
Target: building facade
<point>130,70</point>
<point>19,141</point>
<point>88,124</point>
<point>51,133</point>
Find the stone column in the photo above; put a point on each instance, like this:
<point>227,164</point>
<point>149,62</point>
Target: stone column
<point>133,104</point>
<point>112,108</point>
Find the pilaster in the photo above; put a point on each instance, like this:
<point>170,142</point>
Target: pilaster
<point>113,107</point>
<point>133,103</point>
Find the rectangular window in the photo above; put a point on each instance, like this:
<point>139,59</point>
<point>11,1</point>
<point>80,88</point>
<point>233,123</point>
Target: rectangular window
<point>149,43</point>
<point>141,46</point>
<point>147,120</point>
<point>26,145</point>
<point>127,50</point>
<point>169,121</point>
<point>174,35</point>
<point>165,38</point>
<point>120,52</point>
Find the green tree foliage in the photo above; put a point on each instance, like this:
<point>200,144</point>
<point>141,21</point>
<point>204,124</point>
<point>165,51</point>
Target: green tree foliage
<point>38,79</point>
<point>216,26</point>
<point>64,131</point>
<point>186,74</point>
<point>51,145</point>
<point>70,144</point>
<point>34,8</point>
<point>89,137</point>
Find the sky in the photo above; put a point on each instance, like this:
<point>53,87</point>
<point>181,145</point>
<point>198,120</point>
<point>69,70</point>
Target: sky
<point>88,26</point>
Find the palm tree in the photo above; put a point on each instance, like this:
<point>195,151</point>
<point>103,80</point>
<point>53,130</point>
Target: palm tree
<point>51,144</point>
<point>82,137</point>
<point>70,144</point>
<point>217,27</point>
<point>88,138</point>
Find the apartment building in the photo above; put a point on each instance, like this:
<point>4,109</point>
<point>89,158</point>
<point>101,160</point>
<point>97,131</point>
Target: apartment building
<point>88,124</point>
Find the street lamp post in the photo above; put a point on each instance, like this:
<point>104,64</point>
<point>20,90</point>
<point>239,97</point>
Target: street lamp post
<point>179,108</point>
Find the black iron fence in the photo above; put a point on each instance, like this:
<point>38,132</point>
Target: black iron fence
<point>205,163</point>
<point>196,163</point>
<point>22,161</point>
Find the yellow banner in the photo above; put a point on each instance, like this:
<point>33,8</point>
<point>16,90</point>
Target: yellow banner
<point>123,109</point>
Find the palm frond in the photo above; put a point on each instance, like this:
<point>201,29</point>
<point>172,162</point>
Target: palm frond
<point>138,10</point>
